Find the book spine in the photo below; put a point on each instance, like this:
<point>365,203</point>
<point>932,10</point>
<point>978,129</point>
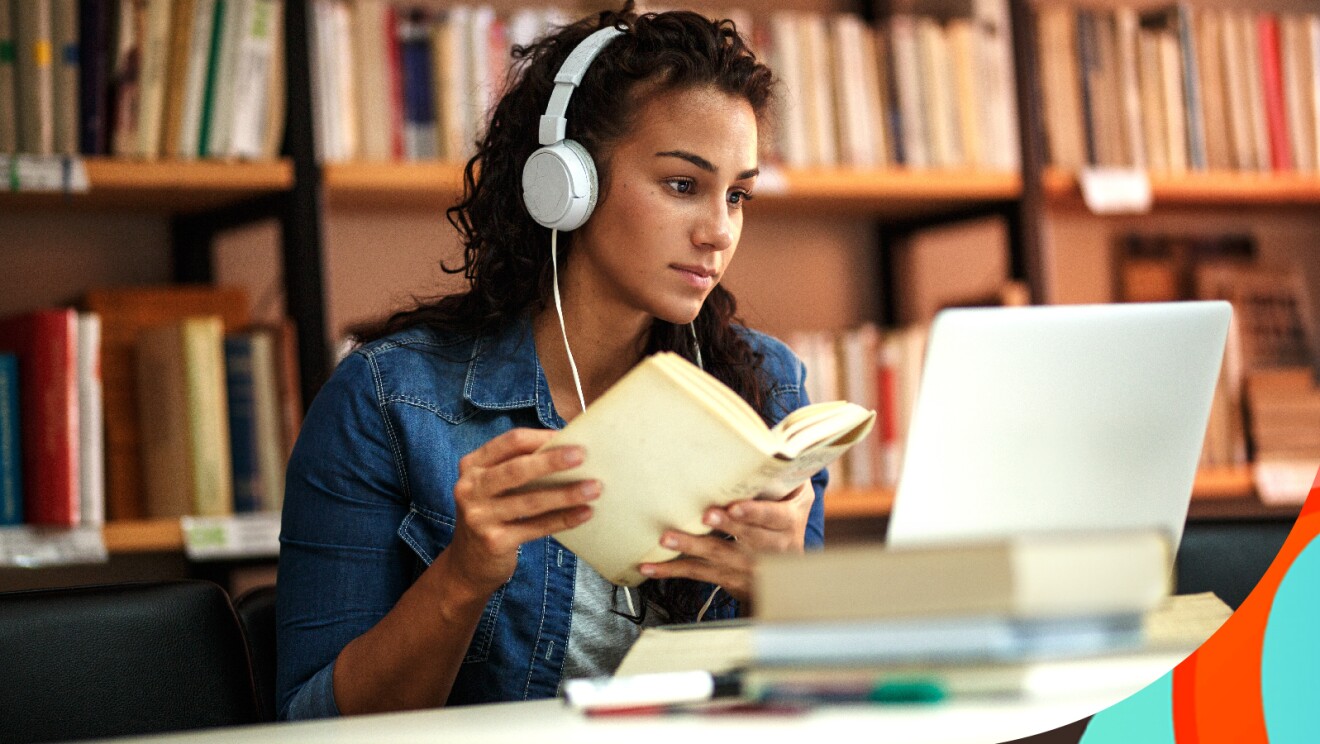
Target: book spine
<point>1271,77</point>
<point>398,148</point>
<point>94,76</point>
<point>130,31</point>
<point>270,448</point>
<point>46,344</point>
<point>208,417</point>
<point>1087,62</point>
<point>91,421</point>
<point>8,80</point>
<point>255,51</point>
<point>64,40</point>
<point>1192,95</point>
<point>239,387</point>
<point>11,455</point>
<point>36,85</point>
<point>418,104</point>
<point>176,76</point>
<point>195,82</point>
<point>211,88</point>
<point>155,49</point>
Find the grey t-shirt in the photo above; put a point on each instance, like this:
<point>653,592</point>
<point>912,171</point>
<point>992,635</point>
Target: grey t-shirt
<point>597,637</point>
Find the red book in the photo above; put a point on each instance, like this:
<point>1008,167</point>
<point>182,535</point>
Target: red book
<point>1271,76</point>
<point>395,78</point>
<point>46,342</point>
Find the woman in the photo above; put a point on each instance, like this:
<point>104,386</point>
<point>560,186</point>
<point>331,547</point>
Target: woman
<point>411,572</point>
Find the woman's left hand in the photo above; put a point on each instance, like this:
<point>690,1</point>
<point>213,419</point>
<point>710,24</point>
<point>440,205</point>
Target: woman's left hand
<point>757,526</point>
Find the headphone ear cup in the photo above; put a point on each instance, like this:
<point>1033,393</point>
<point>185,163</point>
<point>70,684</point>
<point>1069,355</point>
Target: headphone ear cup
<point>587,174</point>
<point>559,185</point>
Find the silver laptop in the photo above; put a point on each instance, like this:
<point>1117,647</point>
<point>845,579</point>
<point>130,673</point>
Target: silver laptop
<point>1059,418</point>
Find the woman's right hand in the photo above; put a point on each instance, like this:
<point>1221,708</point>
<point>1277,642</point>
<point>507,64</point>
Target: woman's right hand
<point>493,521</point>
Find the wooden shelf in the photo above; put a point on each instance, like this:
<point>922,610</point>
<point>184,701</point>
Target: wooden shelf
<point>1221,189</point>
<point>434,186</point>
<point>1221,493</point>
<point>169,186</point>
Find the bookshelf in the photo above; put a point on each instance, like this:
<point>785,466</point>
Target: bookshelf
<point>205,198</point>
<point>892,193</point>
<point>1205,190</point>
<point>164,186</point>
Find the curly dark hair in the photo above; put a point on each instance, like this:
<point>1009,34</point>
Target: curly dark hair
<point>506,259</point>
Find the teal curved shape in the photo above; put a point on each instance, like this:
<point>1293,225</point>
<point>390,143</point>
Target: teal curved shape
<point>1290,654</point>
<point>1146,716</point>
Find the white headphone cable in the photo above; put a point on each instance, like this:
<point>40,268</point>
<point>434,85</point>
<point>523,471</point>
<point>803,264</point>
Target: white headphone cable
<point>582,400</point>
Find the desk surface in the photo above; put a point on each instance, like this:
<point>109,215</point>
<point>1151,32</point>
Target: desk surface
<point>1189,619</point>
<point>552,721</point>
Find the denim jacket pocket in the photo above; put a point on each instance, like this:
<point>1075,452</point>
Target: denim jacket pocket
<point>428,534</point>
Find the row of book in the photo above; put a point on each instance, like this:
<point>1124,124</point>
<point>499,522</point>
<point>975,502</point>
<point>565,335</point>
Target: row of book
<point>1179,89</point>
<point>142,79</point>
<point>879,370</point>
<point>397,81</point>
<point>144,403</point>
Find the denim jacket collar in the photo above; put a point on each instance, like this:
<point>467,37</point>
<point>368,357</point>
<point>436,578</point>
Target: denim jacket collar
<point>505,373</point>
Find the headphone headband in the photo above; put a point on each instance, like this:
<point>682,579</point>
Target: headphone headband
<point>554,125</point>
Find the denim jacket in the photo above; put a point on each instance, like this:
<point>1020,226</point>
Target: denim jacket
<point>369,504</point>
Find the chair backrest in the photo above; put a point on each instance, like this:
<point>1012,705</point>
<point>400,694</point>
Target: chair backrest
<point>121,660</point>
<point>256,611</point>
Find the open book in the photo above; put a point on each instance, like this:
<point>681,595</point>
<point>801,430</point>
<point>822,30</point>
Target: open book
<point>669,441</point>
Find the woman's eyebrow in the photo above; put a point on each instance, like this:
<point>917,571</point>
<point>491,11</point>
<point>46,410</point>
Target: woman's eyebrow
<point>703,163</point>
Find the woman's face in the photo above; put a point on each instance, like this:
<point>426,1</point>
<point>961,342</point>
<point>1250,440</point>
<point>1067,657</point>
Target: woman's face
<point>662,235</point>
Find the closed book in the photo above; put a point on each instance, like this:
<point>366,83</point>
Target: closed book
<point>256,437</point>
<point>94,58</point>
<point>210,78</point>
<point>64,49</point>
<point>130,31</point>
<point>8,81</point>
<point>415,64</point>
<point>370,66</point>
<point>185,420</point>
<point>1028,576</point>
<point>11,451</point>
<point>1271,81</point>
<point>942,639</point>
<point>176,75</point>
<point>124,313</point>
<point>36,84</point>
<point>46,344</point>
<point>1061,86</point>
<point>224,88</point>
<point>155,51</point>
<point>242,423</point>
<point>91,421</point>
<point>252,76</point>
<point>668,441</point>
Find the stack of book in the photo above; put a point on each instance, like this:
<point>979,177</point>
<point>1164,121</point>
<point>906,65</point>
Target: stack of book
<point>1026,617</point>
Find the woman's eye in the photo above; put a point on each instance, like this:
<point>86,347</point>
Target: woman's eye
<point>739,197</point>
<point>681,185</point>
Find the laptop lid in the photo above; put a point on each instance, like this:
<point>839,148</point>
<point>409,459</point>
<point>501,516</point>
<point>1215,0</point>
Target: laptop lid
<point>1059,418</point>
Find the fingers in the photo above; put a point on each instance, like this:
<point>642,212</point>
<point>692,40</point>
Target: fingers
<point>509,444</point>
<point>707,558</point>
<point>767,526</point>
<point>520,470</point>
<point>530,504</point>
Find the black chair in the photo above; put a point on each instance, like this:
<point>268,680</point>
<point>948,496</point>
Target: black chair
<point>121,660</point>
<point>256,611</point>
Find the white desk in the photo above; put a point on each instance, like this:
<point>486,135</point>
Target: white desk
<point>1189,619</point>
<point>550,721</point>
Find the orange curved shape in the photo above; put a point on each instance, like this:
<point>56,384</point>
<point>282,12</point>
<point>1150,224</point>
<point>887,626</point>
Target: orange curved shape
<point>1217,690</point>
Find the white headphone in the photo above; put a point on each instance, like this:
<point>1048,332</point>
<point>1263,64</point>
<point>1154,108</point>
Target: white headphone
<point>559,179</point>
